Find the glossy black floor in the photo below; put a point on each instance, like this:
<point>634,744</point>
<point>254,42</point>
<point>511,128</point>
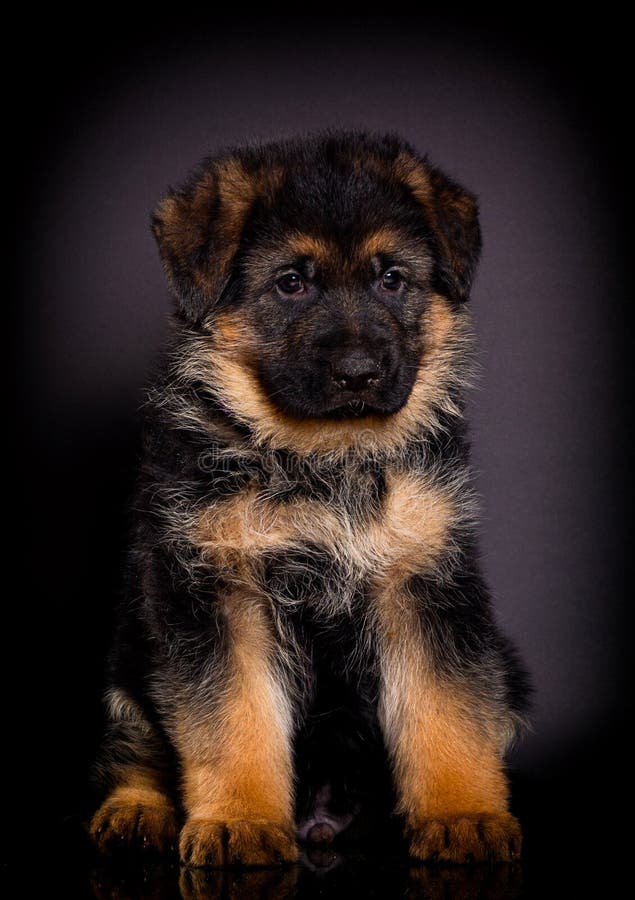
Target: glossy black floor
<point>572,848</point>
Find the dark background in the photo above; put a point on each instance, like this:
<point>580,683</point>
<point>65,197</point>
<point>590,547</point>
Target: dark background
<point>527,115</point>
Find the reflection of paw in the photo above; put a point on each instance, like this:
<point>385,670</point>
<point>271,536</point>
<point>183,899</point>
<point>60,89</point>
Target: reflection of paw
<point>121,824</point>
<point>137,882</point>
<point>480,882</point>
<point>469,837</point>
<point>239,843</point>
<point>233,884</point>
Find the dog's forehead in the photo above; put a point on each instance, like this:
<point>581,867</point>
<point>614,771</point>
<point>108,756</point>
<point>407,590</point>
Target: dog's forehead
<point>341,252</point>
<point>342,215</point>
<point>344,246</point>
<point>341,200</point>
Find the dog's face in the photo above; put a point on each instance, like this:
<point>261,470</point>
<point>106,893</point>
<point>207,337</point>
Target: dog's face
<point>322,277</point>
<point>335,315</point>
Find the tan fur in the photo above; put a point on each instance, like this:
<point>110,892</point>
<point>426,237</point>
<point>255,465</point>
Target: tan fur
<point>182,231</point>
<point>182,222</point>
<point>309,245</point>
<point>411,172</point>
<point>139,787</point>
<point>413,531</point>
<point>445,761</point>
<point>384,240</point>
<point>241,842</point>
<point>231,333</point>
<point>236,759</point>
<point>228,368</point>
<point>236,531</point>
<point>341,263</point>
<point>445,764</point>
<point>409,534</point>
<point>122,708</point>
<point>236,193</point>
<point>467,837</point>
<point>136,810</point>
<point>442,201</point>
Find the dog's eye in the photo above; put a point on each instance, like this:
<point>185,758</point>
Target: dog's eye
<point>391,280</point>
<point>291,283</point>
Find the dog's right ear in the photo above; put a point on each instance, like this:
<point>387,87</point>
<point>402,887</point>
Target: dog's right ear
<point>198,230</point>
<point>452,216</point>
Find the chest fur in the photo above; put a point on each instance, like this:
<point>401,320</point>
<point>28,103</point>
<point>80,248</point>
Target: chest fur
<point>409,529</point>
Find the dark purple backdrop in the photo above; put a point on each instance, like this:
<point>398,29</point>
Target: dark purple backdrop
<point>519,119</point>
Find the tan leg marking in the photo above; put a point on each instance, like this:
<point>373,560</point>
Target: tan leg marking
<point>447,761</point>
<point>237,769</point>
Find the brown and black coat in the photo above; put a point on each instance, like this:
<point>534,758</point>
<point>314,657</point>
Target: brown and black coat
<point>305,629</point>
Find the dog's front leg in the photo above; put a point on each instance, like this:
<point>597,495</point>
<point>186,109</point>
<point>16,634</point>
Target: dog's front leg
<point>445,726</point>
<point>233,737</point>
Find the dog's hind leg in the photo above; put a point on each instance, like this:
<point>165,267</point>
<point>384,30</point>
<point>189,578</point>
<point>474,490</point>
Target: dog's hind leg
<point>137,810</point>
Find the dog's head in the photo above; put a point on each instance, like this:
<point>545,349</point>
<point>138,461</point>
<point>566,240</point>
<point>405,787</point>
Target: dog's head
<point>323,284</point>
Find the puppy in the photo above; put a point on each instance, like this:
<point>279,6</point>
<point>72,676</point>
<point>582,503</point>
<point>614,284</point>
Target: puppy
<point>305,631</point>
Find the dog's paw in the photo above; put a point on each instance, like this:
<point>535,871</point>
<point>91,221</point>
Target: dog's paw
<point>120,824</point>
<point>468,837</point>
<point>207,842</point>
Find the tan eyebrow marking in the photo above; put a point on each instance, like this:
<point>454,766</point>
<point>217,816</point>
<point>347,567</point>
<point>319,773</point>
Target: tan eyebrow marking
<point>309,245</point>
<point>384,240</point>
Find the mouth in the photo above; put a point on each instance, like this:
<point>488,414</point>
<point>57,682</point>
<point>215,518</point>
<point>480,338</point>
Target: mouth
<point>354,409</point>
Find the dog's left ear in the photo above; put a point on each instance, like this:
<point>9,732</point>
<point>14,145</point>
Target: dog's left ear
<point>199,228</point>
<point>452,215</point>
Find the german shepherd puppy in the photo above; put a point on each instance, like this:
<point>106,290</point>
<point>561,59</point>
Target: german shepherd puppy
<point>305,627</point>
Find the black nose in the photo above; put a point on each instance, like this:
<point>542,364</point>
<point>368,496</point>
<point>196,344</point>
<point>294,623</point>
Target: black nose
<point>355,371</point>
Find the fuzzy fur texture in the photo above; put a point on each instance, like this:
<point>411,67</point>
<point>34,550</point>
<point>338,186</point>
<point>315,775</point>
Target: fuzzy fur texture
<point>306,641</point>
